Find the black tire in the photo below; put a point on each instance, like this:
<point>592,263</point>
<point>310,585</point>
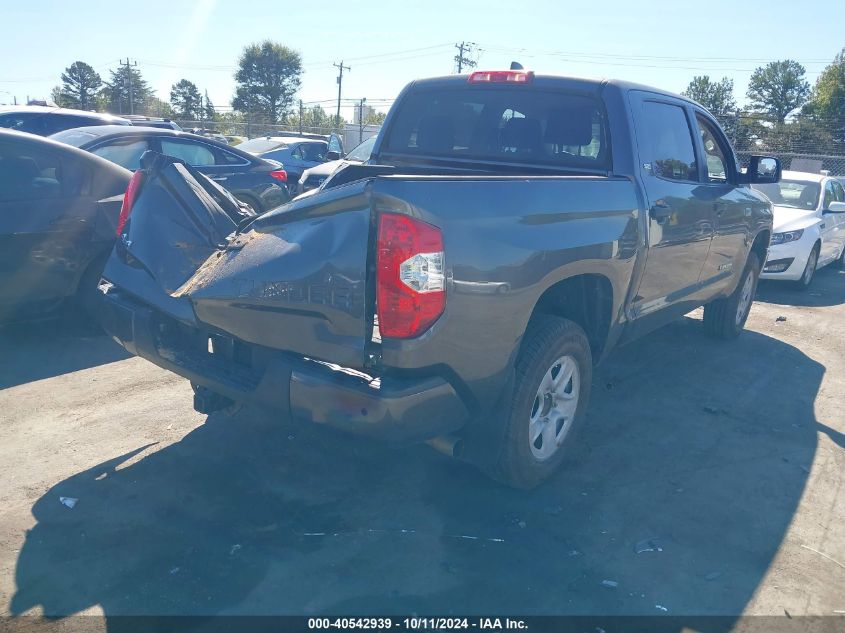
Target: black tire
<point>808,273</point>
<point>721,317</point>
<point>547,340</point>
<point>840,263</point>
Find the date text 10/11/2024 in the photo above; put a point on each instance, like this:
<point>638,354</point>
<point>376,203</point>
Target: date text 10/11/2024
<point>418,623</point>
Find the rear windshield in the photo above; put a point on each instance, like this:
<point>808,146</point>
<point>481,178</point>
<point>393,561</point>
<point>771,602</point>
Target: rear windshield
<point>260,145</point>
<point>506,125</point>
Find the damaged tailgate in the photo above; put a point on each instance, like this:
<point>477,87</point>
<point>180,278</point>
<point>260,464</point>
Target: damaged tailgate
<point>293,279</point>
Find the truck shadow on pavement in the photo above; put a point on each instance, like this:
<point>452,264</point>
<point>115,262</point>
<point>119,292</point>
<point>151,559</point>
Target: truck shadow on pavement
<point>827,289</point>
<point>64,343</point>
<point>693,464</point>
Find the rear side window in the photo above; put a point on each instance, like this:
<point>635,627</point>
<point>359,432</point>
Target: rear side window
<point>515,126</point>
<point>125,152</point>
<point>27,174</point>
<point>666,142</point>
<point>195,154</point>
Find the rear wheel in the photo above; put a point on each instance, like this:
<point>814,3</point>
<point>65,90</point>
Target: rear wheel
<point>725,318</point>
<point>840,263</point>
<point>809,270</point>
<point>546,407</point>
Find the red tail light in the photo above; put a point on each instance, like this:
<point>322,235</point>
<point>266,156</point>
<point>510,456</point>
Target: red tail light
<point>410,279</point>
<point>128,200</point>
<point>280,174</point>
<point>501,77</point>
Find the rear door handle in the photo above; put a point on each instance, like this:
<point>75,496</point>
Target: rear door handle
<point>660,213</point>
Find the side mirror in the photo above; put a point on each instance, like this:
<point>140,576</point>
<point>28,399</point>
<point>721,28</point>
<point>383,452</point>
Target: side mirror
<point>331,155</point>
<point>762,170</point>
<point>835,207</point>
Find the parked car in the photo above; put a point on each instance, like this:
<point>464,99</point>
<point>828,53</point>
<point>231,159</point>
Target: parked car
<point>809,226</point>
<point>296,153</point>
<point>508,231</point>
<point>213,134</point>
<point>315,176</point>
<point>257,182</point>
<point>58,212</point>
<point>45,121</point>
<point>148,121</point>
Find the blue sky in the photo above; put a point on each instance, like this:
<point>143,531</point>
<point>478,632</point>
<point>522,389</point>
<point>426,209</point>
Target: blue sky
<point>389,43</point>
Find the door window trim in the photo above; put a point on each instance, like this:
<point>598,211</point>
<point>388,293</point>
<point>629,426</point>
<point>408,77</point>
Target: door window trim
<point>724,145</point>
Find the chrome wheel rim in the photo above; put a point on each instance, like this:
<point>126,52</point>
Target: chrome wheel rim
<point>554,406</point>
<point>811,267</point>
<point>745,297</point>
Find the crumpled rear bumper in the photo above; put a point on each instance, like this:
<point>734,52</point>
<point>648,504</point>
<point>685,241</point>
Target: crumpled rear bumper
<point>391,408</point>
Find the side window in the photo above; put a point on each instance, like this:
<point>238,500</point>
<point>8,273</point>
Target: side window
<point>125,152</point>
<point>829,195</point>
<point>715,151</point>
<point>23,122</point>
<point>60,122</point>
<point>228,158</point>
<point>838,192</point>
<point>314,151</point>
<point>668,145</point>
<point>195,154</point>
<point>29,175</point>
<point>297,152</point>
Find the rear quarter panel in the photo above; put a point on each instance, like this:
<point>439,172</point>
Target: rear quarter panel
<point>507,240</point>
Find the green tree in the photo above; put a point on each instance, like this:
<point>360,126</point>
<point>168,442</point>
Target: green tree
<point>186,100</point>
<point>778,89</point>
<point>375,118</point>
<point>80,86</point>
<point>208,109</point>
<point>268,77</point>
<point>154,106</point>
<point>116,91</point>
<point>716,96</point>
<point>827,102</point>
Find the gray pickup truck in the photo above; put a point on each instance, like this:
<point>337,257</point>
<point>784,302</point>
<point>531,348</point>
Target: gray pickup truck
<point>509,230</point>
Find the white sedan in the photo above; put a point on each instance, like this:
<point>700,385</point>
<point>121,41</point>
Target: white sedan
<point>809,226</point>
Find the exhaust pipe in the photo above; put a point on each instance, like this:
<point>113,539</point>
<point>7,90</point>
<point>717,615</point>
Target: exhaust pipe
<point>449,445</point>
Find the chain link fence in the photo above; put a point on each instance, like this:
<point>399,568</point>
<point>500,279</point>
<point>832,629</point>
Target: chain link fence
<point>802,144</point>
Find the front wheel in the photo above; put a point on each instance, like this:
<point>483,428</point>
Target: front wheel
<point>809,270</point>
<point>546,407</point>
<point>725,318</point>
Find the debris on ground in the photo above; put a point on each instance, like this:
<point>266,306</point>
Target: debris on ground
<point>522,524</point>
<point>713,575</point>
<point>70,502</point>
<point>823,555</point>
<point>710,410</point>
<point>234,549</point>
<point>174,571</point>
<point>610,584</point>
<point>780,319</point>
<point>648,545</point>
<point>661,607</point>
<point>553,510</point>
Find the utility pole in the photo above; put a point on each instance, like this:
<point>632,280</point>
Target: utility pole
<point>361,120</point>
<point>462,59</point>
<point>129,80</point>
<point>340,68</point>
<point>300,116</point>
